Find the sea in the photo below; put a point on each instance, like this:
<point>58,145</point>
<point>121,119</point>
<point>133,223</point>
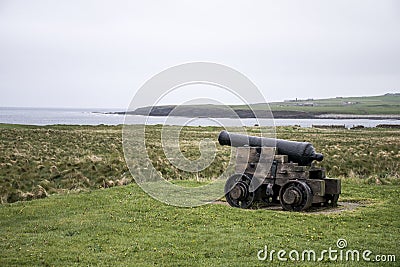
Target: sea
<point>69,116</point>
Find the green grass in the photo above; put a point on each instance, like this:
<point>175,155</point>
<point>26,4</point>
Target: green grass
<point>388,104</point>
<point>59,158</point>
<point>125,227</point>
<point>83,222</point>
<point>379,105</point>
<point>65,158</point>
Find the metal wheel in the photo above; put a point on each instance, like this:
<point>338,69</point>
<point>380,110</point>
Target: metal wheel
<point>295,196</point>
<point>331,200</point>
<point>237,192</point>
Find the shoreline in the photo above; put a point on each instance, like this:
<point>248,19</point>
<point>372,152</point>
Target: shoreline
<point>360,116</point>
<point>276,115</point>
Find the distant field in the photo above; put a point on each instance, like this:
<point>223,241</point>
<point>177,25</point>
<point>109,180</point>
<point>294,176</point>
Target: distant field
<point>385,104</point>
<point>87,221</point>
<point>388,104</point>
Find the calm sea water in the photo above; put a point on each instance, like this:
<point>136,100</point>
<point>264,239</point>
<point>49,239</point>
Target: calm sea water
<point>51,116</point>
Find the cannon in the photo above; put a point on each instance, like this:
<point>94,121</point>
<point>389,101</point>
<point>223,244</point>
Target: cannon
<point>286,171</point>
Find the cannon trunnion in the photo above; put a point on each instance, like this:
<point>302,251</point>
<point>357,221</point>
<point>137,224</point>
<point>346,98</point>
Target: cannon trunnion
<point>278,179</point>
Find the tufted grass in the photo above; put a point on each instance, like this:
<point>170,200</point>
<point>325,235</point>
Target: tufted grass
<point>122,226</point>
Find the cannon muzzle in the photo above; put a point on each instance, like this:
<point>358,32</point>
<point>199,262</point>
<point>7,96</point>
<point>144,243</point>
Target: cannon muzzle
<point>302,153</point>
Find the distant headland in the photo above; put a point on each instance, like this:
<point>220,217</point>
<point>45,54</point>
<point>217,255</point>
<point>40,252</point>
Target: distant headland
<point>365,107</point>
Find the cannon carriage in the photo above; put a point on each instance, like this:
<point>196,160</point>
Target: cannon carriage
<point>274,171</point>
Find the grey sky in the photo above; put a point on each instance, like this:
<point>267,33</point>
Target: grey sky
<point>98,53</point>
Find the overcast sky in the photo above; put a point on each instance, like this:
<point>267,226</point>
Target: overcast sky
<point>98,53</point>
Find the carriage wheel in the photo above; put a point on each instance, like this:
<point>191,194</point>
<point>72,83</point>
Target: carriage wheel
<point>237,192</point>
<point>295,196</point>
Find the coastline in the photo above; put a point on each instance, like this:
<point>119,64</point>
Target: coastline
<point>384,107</point>
<point>360,116</point>
<point>244,114</point>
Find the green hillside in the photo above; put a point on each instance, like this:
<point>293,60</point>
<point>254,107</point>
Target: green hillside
<point>384,104</point>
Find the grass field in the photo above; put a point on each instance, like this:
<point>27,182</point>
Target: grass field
<point>384,104</point>
<point>121,225</point>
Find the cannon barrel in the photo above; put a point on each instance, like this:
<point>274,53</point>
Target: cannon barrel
<point>302,153</point>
